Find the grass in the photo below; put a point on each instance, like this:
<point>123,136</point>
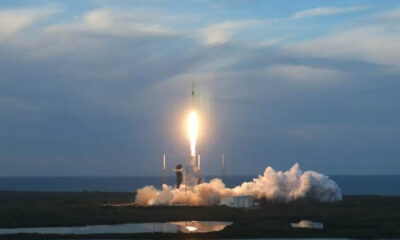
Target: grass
<point>354,217</point>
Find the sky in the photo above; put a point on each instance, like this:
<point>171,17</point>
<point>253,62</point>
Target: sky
<point>103,88</point>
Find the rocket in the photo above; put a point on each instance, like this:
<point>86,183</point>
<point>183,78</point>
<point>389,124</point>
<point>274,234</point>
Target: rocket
<point>193,95</point>
<point>164,168</point>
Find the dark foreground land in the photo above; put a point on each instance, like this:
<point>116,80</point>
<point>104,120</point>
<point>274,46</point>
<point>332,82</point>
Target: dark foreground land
<point>354,217</point>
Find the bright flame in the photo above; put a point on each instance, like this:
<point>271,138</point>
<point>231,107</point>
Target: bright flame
<point>191,228</point>
<point>193,127</point>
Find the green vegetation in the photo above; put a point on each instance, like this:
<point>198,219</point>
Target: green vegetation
<point>355,216</point>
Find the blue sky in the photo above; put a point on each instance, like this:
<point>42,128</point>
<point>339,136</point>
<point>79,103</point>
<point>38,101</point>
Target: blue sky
<point>103,87</point>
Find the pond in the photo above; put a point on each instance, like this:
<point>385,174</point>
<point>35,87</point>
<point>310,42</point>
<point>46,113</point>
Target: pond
<point>167,227</point>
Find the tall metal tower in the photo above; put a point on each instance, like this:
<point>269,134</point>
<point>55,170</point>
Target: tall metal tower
<point>199,168</point>
<point>223,167</point>
<point>164,171</point>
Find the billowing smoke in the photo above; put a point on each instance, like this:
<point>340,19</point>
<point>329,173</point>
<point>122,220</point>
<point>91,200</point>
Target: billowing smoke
<point>273,185</point>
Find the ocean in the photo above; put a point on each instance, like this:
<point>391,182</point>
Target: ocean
<point>349,184</point>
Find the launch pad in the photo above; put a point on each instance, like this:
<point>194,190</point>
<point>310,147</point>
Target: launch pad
<point>190,174</point>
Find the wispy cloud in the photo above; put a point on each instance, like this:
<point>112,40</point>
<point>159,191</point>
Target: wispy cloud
<point>302,73</point>
<point>113,22</point>
<point>390,15</point>
<point>270,42</point>
<point>374,41</point>
<point>14,20</point>
<point>15,104</point>
<point>220,33</point>
<point>371,43</point>
<point>325,11</point>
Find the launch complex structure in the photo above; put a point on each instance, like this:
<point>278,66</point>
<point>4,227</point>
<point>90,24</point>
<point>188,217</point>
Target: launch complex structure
<point>190,175</point>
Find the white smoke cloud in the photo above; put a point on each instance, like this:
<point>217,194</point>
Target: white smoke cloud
<point>273,185</point>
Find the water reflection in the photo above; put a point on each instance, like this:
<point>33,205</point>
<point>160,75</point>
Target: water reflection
<point>200,226</point>
<point>168,227</point>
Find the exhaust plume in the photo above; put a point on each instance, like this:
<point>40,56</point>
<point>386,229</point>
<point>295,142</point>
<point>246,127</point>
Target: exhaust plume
<point>273,185</point>
<point>193,125</point>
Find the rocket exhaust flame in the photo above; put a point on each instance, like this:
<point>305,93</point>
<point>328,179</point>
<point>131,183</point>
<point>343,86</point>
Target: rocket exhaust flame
<point>192,169</point>
<point>193,128</point>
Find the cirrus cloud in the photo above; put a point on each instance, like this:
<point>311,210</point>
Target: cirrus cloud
<point>325,11</point>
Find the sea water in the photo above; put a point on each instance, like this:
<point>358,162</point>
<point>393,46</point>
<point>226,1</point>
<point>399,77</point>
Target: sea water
<point>379,185</point>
